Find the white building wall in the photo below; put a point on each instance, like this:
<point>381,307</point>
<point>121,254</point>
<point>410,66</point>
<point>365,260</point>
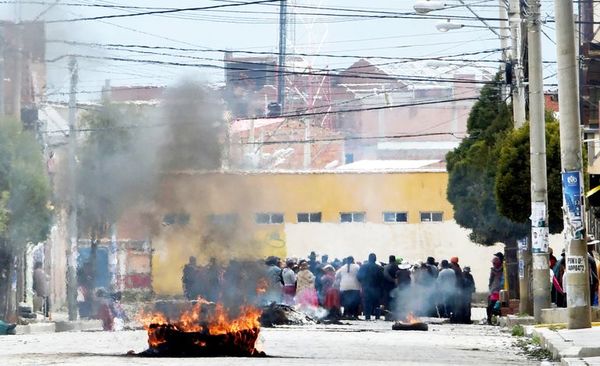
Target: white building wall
<point>409,241</point>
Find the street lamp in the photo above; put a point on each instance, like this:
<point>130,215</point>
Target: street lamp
<point>425,6</point>
<point>448,25</point>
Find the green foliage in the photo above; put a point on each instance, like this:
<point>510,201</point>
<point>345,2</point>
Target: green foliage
<point>518,330</point>
<point>513,190</point>
<point>472,172</point>
<point>25,215</point>
<point>3,210</point>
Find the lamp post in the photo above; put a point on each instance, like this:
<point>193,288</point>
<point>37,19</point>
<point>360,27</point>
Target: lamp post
<point>425,6</point>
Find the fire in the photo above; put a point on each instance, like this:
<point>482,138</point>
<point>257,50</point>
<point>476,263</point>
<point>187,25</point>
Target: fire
<point>262,286</point>
<point>205,319</point>
<point>412,319</point>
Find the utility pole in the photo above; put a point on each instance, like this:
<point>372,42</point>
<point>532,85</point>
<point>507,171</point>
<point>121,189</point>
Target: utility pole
<point>72,223</point>
<point>503,31</point>
<point>17,83</point>
<point>578,296</point>
<point>282,53</point>
<point>539,184</point>
<point>2,48</point>
<point>519,116</point>
<point>518,92</point>
<point>307,144</point>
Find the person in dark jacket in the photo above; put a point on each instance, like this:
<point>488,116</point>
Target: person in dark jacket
<point>495,284</point>
<point>458,308</point>
<point>389,281</point>
<point>468,290</point>
<point>370,276</point>
<point>190,276</point>
<point>401,293</point>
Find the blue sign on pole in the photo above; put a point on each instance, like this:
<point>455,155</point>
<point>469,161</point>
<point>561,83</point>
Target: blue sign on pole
<point>572,185</point>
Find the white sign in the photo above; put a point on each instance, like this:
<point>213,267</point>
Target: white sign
<point>540,262</point>
<point>575,264</point>
<point>539,239</point>
<point>538,214</point>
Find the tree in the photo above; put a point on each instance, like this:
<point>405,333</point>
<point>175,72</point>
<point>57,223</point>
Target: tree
<point>25,213</point>
<point>106,172</point>
<point>472,173</point>
<point>513,189</point>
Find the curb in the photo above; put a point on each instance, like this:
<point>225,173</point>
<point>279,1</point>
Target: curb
<point>60,326</point>
<point>36,328</point>
<point>565,350</point>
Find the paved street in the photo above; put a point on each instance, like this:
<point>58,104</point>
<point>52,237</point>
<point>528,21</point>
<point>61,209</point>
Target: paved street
<point>361,343</point>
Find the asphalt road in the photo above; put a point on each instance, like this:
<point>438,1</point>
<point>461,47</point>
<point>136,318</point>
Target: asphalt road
<point>360,343</point>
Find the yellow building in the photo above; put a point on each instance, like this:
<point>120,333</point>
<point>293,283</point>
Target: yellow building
<point>252,215</point>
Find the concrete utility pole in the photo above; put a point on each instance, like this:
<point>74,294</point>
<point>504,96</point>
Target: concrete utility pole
<point>539,185</point>
<point>519,116</point>
<point>17,83</point>
<point>72,223</point>
<point>518,92</point>
<point>578,296</point>
<point>282,53</point>
<point>2,48</point>
<point>504,32</point>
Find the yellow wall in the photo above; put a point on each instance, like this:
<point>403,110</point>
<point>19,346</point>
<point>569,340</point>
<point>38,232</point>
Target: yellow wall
<point>202,194</point>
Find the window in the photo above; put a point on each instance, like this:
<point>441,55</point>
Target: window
<point>309,217</point>
<point>431,216</point>
<point>223,219</point>
<point>352,217</point>
<point>269,218</point>
<point>181,218</point>
<point>395,217</point>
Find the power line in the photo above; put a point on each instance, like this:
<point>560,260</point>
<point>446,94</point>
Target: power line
<point>351,138</point>
<point>291,115</point>
<point>356,13</point>
<point>117,46</point>
<point>322,72</point>
<point>156,12</point>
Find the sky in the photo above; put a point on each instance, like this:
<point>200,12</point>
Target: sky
<point>249,28</point>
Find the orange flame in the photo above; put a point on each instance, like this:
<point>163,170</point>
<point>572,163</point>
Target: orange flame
<point>261,286</point>
<point>215,322</point>
<point>412,318</point>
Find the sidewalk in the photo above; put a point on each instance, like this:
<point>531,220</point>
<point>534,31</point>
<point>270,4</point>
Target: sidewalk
<point>59,323</point>
<point>572,347</point>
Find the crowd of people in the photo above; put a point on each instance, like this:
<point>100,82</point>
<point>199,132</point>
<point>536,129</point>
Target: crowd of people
<point>394,289</point>
<point>557,279</point>
<point>345,288</point>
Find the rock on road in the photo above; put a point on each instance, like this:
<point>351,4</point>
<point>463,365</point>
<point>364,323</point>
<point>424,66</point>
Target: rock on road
<point>360,343</point>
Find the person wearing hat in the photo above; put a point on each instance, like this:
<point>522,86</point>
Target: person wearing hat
<point>500,256</point>
<point>331,301</point>
<point>401,294</point>
<point>432,266</point>
<point>349,288</point>
<point>274,283</point>
<point>289,282</point>
<point>389,281</point>
<point>495,284</point>
<point>459,307</point>
<point>557,281</point>
<point>468,290</point>
<point>446,285</point>
<point>370,277</point>
<point>305,287</point>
